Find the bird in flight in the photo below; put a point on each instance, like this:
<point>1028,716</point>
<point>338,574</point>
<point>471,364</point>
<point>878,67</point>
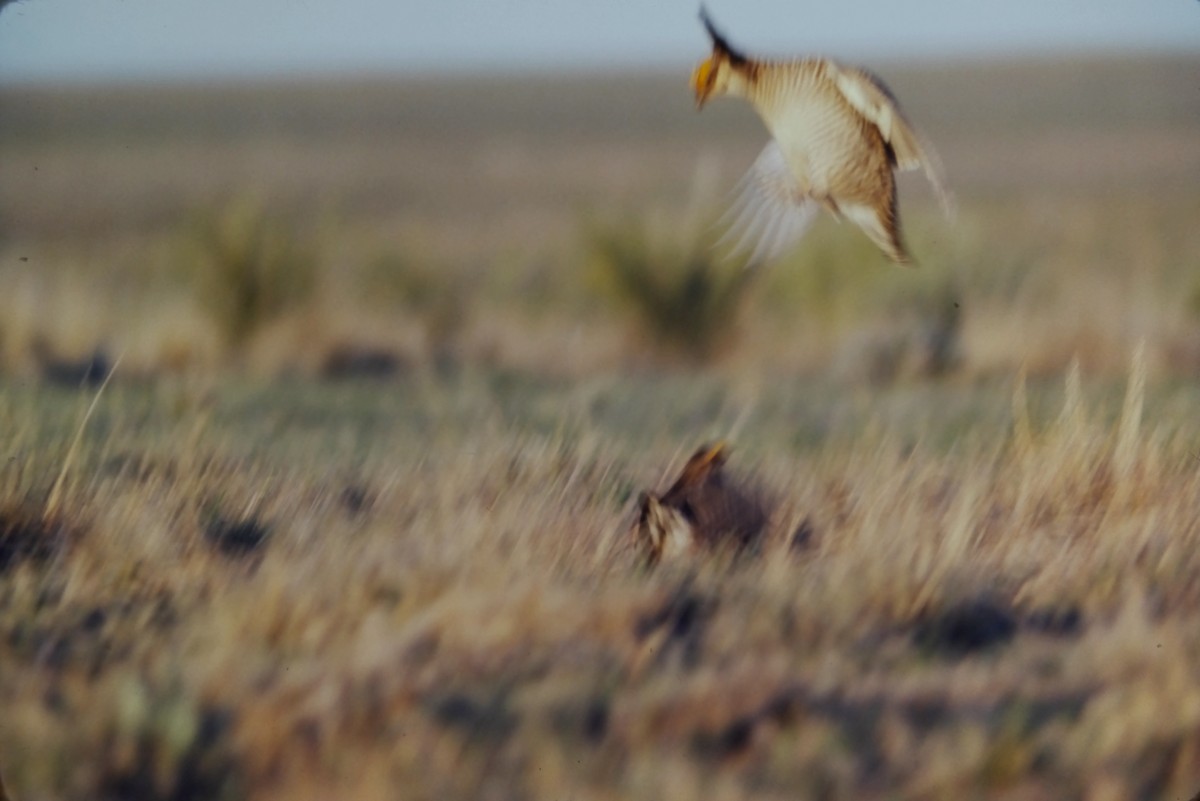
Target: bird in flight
<point>837,137</point>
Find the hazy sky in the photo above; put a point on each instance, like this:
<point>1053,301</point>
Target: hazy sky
<point>155,39</point>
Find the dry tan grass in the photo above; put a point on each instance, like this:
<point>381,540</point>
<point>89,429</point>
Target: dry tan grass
<point>468,620</point>
<point>423,588</point>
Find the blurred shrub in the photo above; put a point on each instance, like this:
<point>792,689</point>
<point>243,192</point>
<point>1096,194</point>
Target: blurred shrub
<point>433,294</point>
<point>826,278</point>
<point>1193,299</point>
<point>921,338</point>
<point>249,267</point>
<point>681,296</point>
<point>838,277</point>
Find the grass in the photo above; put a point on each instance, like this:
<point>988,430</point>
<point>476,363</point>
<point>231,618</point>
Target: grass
<point>248,268</point>
<point>224,577</point>
<point>684,301</point>
<point>453,604</point>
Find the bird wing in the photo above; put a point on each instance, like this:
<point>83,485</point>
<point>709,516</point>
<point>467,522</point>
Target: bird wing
<point>871,98</point>
<point>769,215</point>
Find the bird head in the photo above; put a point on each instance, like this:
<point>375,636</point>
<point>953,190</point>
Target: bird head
<point>722,72</point>
<point>704,465</point>
<point>662,531</point>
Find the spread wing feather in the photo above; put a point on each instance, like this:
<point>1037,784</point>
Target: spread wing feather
<point>871,98</point>
<point>768,216</point>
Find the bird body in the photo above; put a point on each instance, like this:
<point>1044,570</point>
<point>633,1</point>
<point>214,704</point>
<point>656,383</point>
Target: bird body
<point>703,510</point>
<point>838,135</point>
<point>803,110</point>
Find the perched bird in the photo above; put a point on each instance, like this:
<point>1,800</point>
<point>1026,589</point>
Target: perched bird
<point>837,136</point>
<point>703,510</point>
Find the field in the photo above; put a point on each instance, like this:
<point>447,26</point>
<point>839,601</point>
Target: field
<point>391,361</point>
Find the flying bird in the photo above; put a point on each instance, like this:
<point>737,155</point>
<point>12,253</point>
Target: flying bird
<point>703,510</point>
<point>837,138</point>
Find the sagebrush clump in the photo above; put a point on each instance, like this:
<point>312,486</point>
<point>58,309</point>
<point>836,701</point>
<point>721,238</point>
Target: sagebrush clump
<point>249,267</point>
<point>684,299</point>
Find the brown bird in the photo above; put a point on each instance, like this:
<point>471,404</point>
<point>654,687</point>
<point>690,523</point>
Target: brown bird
<point>703,510</point>
<point>838,135</point>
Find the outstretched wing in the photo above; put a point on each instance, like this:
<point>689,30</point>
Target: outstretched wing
<point>768,216</point>
<point>871,98</point>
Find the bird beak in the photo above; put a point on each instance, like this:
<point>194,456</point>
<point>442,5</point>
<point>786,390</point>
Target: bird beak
<point>700,81</point>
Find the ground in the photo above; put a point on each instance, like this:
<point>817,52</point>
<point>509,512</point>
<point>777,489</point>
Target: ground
<point>368,538</point>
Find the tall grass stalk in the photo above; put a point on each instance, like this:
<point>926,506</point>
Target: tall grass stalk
<point>54,500</point>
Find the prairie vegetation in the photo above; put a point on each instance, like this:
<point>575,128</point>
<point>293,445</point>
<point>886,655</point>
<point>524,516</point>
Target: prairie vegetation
<point>350,518</point>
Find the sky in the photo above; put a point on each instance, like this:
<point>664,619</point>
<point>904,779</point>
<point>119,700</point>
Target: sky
<point>155,40</point>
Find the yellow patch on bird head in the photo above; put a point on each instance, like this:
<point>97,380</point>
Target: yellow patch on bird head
<point>703,78</point>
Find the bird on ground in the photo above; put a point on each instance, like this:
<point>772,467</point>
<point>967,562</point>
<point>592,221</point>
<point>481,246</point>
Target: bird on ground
<point>838,136</point>
<point>703,510</point>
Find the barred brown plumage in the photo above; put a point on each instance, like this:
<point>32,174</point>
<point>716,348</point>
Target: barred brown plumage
<point>703,510</point>
<point>838,135</point>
